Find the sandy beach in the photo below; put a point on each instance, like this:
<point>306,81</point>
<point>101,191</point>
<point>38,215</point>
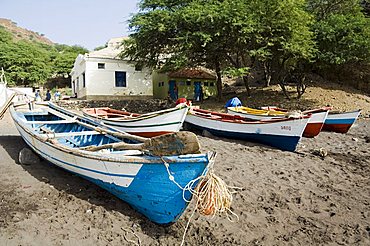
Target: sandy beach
<point>287,198</point>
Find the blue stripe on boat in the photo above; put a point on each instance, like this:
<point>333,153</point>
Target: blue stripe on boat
<point>83,168</point>
<point>151,192</point>
<point>288,143</point>
<point>339,121</point>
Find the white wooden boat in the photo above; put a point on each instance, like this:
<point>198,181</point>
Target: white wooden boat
<point>341,122</point>
<point>313,128</point>
<point>113,160</point>
<point>146,125</point>
<point>280,133</point>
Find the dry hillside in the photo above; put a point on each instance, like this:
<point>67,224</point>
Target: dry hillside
<point>20,33</point>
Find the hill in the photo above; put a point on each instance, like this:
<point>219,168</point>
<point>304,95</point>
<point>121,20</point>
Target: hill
<point>20,33</point>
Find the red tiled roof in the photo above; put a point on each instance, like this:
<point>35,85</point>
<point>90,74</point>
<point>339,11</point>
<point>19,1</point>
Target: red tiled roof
<point>191,73</point>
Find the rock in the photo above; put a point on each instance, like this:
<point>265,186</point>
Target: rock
<point>320,152</point>
<point>28,157</point>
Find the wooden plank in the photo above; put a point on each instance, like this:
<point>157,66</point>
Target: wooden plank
<point>69,134</point>
<point>50,122</point>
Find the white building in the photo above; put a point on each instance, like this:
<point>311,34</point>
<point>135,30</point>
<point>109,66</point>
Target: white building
<point>103,75</point>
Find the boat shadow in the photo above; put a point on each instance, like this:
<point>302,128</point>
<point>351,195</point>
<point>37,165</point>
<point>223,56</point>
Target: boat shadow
<point>246,143</point>
<point>72,184</point>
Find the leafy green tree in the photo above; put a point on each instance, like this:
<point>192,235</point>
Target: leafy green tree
<point>25,63</point>
<point>342,31</point>
<point>31,63</point>
<point>225,35</point>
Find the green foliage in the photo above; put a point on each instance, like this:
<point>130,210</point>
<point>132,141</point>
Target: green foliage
<point>31,63</point>
<point>342,32</point>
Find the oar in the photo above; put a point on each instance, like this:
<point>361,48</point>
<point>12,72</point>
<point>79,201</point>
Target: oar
<point>178,143</point>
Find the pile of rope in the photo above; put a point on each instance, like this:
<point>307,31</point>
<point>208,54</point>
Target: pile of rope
<point>213,197</point>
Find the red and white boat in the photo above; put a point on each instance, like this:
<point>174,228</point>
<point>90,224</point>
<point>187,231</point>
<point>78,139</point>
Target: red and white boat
<point>282,133</point>
<point>145,125</point>
<point>313,128</point>
<point>340,122</point>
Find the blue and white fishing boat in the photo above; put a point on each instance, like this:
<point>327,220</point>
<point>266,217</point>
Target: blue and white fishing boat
<point>280,133</point>
<point>114,160</point>
<point>341,122</point>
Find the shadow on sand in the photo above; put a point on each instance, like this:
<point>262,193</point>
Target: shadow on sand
<point>78,187</point>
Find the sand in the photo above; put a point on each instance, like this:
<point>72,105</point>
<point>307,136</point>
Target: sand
<point>287,198</point>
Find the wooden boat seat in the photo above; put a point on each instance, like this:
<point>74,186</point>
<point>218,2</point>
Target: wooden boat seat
<point>47,122</point>
<point>69,134</point>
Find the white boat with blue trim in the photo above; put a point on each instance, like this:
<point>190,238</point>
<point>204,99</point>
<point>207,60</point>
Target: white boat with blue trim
<point>145,125</point>
<point>114,160</point>
<point>341,122</point>
<point>280,133</point>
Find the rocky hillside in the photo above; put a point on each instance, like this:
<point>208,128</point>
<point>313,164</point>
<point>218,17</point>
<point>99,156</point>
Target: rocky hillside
<point>20,33</point>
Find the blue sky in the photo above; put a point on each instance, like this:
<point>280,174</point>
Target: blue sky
<point>81,22</point>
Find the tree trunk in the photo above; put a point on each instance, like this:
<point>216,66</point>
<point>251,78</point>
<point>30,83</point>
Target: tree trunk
<point>267,72</point>
<point>219,80</point>
<point>246,83</point>
<point>301,87</point>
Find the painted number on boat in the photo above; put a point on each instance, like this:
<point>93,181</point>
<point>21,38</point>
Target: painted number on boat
<point>287,128</point>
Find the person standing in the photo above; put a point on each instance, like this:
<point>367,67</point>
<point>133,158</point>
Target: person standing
<point>56,95</point>
<point>48,96</point>
<point>38,96</point>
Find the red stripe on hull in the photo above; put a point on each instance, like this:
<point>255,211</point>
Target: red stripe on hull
<point>340,128</point>
<point>149,134</point>
<point>312,130</point>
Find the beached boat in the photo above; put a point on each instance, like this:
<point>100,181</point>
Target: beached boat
<point>334,122</point>
<point>280,133</point>
<point>313,128</point>
<point>340,122</point>
<point>123,164</point>
<point>146,125</point>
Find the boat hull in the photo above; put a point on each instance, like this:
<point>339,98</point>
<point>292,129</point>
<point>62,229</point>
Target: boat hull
<point>315,124</point>
<point>151,125</point>
<point>284,135</point>
<point>313,128</point>
<point>340,123</point>
<point>141,181</point>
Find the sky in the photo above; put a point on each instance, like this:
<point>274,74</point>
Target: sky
<point>73,22</point>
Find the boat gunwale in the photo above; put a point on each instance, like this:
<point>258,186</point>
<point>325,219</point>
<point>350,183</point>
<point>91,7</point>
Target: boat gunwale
<point>243,121</point>
<point>133,119</point>
<point>145,159</point>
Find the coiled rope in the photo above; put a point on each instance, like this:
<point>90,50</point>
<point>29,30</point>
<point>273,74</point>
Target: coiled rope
<point>213,195</point>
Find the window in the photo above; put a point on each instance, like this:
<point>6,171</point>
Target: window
<point>188,83</point>
<point>83,80</point>
<point>120,79</point>
<point>205,83</point>
<point>101,65</point>
<point>212,84</point>
<point>159,84</point>
<point>162,83</point>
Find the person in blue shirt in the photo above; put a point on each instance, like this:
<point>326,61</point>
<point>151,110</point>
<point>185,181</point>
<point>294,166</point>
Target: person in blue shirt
<point>48,96</point>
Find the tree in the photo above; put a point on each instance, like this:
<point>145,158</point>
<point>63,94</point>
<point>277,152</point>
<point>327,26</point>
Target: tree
<point>282,40</point>
<point>225,35</point>
<point>31,63</point>
<point>342,32</point>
